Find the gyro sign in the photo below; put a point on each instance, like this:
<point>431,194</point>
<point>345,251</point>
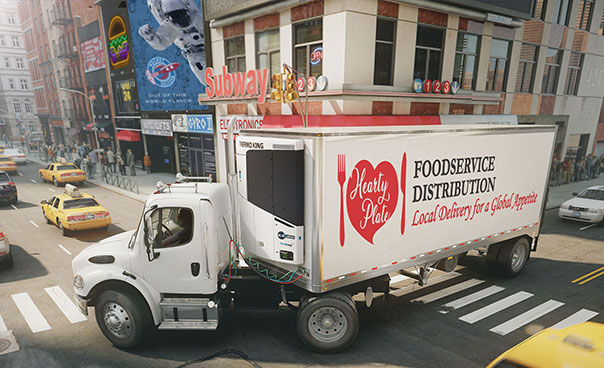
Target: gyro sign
<point>252,83</point>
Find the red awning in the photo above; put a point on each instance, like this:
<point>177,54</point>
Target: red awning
<point>128,135</point>
<point>89,126</point>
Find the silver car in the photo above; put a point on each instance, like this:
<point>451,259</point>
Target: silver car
<point>587,206</point>
<point>5,256</point>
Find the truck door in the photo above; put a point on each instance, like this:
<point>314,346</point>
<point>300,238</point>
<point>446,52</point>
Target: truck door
<point>175,232</point>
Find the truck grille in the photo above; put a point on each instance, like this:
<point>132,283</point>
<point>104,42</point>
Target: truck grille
<point>580,209</point>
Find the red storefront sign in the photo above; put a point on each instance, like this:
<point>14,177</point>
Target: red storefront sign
<point>92,54</point>
<point>252,83</point>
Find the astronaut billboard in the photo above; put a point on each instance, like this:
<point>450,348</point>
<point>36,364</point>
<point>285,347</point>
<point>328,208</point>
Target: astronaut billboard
<point>169,53</point>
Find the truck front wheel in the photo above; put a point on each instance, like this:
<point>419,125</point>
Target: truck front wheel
<point>124,319</point>
<point>328,324</point>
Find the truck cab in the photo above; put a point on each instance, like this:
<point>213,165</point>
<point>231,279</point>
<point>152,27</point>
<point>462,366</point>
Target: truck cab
<point>166,272</point>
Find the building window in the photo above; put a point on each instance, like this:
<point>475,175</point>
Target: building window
<point>16,42</point>
<point>11,84</point>
<point>584,14</point>
<point>17,106</point>
<point>2,41</point>
<point>383,69</point>
<point>11,19</point>
<point>268,48</point>
<point>20,64</point>
<point>561,12</point>
<point>539,11</point>
<point>551,71</point>
<point>498,63</point>
<point>235,54</point>
<point>466,59</point>
<point>526,68</point>
<point>308,47</point>
<point>575,64</point>
<point>24,84</point>
<point>428,53</point>
<point>27,105</point>
<point>6,63</point>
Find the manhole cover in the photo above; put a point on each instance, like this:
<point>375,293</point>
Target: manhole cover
<point>4,344</point>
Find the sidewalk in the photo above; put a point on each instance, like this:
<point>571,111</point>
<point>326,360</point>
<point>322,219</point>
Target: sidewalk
<point>147,183</point>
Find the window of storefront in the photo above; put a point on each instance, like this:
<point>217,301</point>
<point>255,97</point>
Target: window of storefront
<point>539,11</point>
<point>498,65</point>
<point>428,53</point>
<point>584,14</point>
<point>526,68</point>
<point>466,59</point>
<point>383,69</point>
<point>551,71</point>
<point>308,47</point>
<point>575,64</point>
<point>235,54</point>
<point>125,99</point>
<point>268,51</point>
<point>561,12</point>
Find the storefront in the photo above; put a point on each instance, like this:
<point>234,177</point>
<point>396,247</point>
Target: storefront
<point>158,141</point>
<point>194,135</point>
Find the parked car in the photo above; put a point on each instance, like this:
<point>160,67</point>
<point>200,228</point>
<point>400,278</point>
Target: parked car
<point>16,154</point>
<point>587,206</point>
<point>8,189</point>
<point>5,256</point>
<point>62,173</point>
<point>74,211</point>
<point>581,345</point>
<point>7,164</point>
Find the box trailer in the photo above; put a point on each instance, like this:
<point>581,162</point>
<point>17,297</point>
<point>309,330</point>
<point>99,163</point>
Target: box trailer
<point>313,216</point>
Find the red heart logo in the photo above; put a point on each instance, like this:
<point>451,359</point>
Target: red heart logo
<point>371,197</point>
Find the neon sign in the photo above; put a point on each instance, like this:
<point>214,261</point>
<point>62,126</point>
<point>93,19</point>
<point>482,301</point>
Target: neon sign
<point>119,49</point>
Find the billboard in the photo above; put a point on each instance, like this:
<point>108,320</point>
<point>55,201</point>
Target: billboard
<point>92,54</point>
<point>169,44</point>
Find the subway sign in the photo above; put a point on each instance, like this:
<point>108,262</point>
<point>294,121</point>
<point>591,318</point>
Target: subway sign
<point>430,86</point>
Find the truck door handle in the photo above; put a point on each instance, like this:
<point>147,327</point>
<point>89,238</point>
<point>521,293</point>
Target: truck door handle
<point>195,269</point>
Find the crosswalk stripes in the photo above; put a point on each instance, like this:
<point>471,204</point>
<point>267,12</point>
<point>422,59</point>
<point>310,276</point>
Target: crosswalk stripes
<point>2,325</point>
<point>493,308</point>
<point>526,317</point>
<point>447,291</point>
<point>66,306</point>
<point>581,316</point>
<point>467,300</point>
<point>413,287</point>
<point>32,315</point>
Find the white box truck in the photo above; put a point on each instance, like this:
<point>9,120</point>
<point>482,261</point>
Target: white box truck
<point>315,216</point>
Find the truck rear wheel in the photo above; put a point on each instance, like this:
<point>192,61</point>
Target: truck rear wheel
<point>448,264</point>
<point>513,256</point>
<point>328,324</point>
<point>124,319</point>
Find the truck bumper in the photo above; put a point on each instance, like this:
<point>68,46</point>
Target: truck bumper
<point>82,303</point>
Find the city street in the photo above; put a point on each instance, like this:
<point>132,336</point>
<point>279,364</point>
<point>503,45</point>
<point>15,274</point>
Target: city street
<point>416,327</point>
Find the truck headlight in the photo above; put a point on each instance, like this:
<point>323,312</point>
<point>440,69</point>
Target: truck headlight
<point>78,282</point>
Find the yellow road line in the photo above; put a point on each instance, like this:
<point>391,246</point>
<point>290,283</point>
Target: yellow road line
<point>591,278</point>
<point>589,274</point>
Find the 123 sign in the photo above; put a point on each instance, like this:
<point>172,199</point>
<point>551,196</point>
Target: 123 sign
<point>429,86</point>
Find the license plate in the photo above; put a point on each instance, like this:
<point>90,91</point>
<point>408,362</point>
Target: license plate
<point>89,217</point>
<point>576,214</point>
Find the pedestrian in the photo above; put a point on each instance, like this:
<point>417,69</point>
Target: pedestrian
<point>22,140</point>
<point>77,161</point>
<point>51,154</point>
<point>103,161</point>
<point>147,162</point>
<point>130,160</point>
<point>111,160</point>
<point>89,166</point>
<point>82,150</point>
<point>94,159</point>
<point>597,167</point>
<point>120,163</point>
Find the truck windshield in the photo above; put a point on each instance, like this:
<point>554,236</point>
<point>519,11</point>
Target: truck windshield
<point>79,203</point>
<point>596,194</point>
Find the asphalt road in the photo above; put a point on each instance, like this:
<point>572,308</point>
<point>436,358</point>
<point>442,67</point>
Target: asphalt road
<point>413,328</point>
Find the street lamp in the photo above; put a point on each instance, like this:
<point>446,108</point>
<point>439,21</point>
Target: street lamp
<point>94,127</point>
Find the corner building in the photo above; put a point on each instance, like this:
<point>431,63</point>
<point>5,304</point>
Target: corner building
<point>534,62</point>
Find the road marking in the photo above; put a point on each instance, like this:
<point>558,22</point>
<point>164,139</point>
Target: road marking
<point>13,206</point>
<point>462,302</point>
<point>2,325</point>
<point>398,278</point>
<point>33,223</point>
<point>66,251</point>
<point>447,291</point>
<point>65,304</point>
<point>581,316</point>
<point>588,226</point>
<point>591,278</point>
<point>33,180</point>
<point>526,317</point>
<point>20,174</point>
<point>30,312</point>
<point>589,274</point>
<point>52,190</point>
<point>493,308</point>
<point>414,287</point>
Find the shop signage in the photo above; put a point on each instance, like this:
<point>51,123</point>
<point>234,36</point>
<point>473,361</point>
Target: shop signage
<point>313,83</point>
<point>429,86</point>
<point>162,127</point>
<point>192,123</point>
<point>316,56</point>
<point>119,47</point>
<point>241,122</point>
<point>92,54</point>
<point>252,83</point>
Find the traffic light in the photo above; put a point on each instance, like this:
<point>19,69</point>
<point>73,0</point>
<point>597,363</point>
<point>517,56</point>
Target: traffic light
<point>277,85</point>
<point>291,89</point>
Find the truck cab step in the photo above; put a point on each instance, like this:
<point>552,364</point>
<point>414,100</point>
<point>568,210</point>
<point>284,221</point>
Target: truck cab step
<point>188,325</point>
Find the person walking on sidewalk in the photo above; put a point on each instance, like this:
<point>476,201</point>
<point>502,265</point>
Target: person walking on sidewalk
<point>89,166</point>
<point>120,163</point>
<point>147,162</point>
<point>111,160</point>
<point>130,160</point>
<point>94,158</point>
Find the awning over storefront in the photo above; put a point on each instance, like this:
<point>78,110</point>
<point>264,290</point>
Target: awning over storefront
<point>128,135</point>
<point>99,124</point>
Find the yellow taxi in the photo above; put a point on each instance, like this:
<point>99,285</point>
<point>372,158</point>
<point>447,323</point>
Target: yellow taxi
<point>73,211</point>
<point>7,164</point>
<point>62,173</point>
<point>581,345</point>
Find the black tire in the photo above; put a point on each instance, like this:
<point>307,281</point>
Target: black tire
<point>42,178</point>
<point>54,181</point>
<point>64,231</point>
<point>333,314</point>
<point>492,253</point>
<point>130,311</point>
<point>14,200</point>
<point>513,257</point>
<point>448,264</point>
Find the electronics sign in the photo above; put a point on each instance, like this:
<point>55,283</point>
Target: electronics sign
<point>169,43</point>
